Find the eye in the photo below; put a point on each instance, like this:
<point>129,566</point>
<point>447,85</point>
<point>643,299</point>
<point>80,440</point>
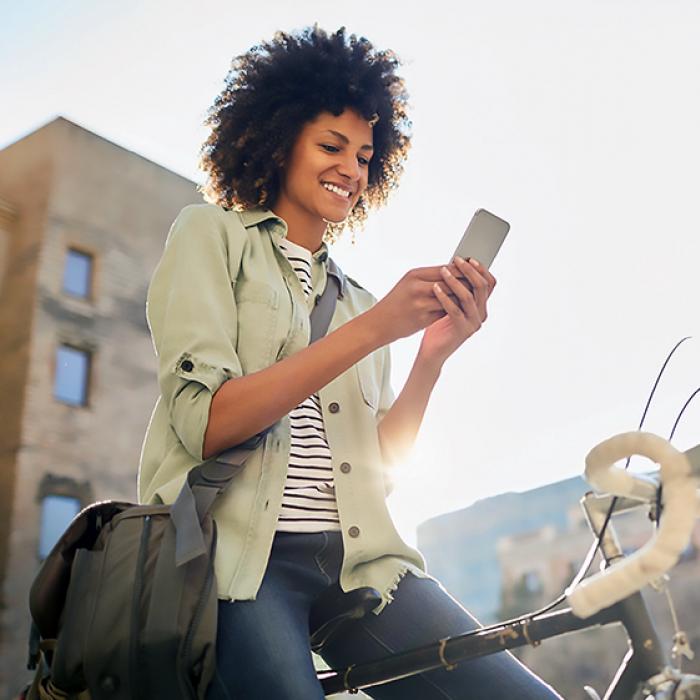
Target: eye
<point>334,149</point>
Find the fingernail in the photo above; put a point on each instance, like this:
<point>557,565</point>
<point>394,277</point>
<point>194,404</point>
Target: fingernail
<point>446,272</point>
<point>459,259</point>
<point>475,263</point>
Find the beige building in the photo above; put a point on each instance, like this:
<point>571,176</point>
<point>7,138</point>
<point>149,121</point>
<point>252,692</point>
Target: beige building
<point>82,225</point>
<point>536,566</point>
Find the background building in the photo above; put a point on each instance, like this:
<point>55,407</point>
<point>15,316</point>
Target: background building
<point>461,547</point>
<point>513,553</point>
<point>82,225</point>
<point>537,566</point>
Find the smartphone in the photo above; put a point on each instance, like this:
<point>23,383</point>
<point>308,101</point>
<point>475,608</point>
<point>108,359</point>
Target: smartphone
<point>483,238</point>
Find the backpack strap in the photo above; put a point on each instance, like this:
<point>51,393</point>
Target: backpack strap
<point>325,304</point>
<point>206,481</point>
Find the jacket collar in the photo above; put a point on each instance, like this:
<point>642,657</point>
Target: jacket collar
<point>257,215</point>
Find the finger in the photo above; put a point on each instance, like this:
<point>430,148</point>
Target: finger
<point>479,283</point>
<point>458,287</point>
<point>486,274</point>
<point>460,276</point>
<point>466,276</point>
<point>490,281</point>
<point>466,324</point>
<point>424,290</point>
<point>428,300</point>
<point>452,308</point>
<point>466,308</point>
<point>427,274</point>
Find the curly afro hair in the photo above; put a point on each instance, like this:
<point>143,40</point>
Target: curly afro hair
<point>274,89</point>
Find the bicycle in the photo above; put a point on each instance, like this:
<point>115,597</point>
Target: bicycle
<point>612,596</point>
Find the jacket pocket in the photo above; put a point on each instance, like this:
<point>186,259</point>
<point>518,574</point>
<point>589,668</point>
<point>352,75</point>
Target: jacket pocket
<point>367,378</point>
<point>257,292</point>
<point>257,317</point>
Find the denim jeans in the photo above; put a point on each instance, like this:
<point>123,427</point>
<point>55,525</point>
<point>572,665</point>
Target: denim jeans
<point>263,644</point>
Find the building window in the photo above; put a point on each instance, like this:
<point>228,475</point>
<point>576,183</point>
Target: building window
<point>61,499</point>
<point>77,274</point>
<point>72,374</point>
<point>56,514</point>
<point>532,582</point>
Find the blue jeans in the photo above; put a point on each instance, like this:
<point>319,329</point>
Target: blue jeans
<point>263,644</point>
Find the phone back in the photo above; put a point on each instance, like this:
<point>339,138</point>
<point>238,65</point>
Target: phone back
<point>483,237</point>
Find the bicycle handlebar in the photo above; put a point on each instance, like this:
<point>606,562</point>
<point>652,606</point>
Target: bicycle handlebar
<point>680,500</point>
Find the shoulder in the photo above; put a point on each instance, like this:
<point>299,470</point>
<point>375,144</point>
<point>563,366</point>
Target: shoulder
<point>209,224</point>
<point>355,283</point>
<point>211,214</point>
<point>360,291</point>
<point>244,222</point>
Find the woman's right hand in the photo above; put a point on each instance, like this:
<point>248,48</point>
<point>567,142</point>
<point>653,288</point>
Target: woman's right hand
<point>409,307</point>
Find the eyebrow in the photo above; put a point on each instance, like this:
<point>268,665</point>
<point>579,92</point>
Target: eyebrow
<point>345,139</point>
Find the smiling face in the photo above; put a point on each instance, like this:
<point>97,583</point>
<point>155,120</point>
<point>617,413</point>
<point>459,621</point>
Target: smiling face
<point>327,170</point>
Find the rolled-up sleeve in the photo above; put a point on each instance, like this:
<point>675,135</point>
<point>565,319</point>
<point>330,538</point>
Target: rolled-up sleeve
<point>192,316</point>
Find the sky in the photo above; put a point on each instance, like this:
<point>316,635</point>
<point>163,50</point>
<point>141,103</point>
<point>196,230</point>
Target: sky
<point>575,121</point>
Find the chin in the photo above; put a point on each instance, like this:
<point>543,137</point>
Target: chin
<point>333,216</point>
<point>334,219</point>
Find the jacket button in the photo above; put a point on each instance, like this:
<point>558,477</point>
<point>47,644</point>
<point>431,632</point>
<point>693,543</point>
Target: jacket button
<point>354,531</point>
<point>187,366</point>
<point>345,468</point>
<point>334,407</point>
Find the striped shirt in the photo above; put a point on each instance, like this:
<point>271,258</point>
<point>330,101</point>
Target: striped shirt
<point>308,503</point>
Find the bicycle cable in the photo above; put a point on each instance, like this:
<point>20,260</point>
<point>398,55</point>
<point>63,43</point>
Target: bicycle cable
<point>590,556</point>
<point>682,411</point>
<point>657,514</point>
<point>680,644</point>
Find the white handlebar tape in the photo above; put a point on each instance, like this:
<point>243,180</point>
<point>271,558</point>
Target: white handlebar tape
<point>661,552</point>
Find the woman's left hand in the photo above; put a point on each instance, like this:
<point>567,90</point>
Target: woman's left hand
<point>465,310</point>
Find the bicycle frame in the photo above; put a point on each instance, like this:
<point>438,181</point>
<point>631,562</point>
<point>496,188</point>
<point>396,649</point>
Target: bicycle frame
<point>644,660</point>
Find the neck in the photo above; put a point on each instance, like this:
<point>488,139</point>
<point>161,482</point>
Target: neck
<point>306,231</point>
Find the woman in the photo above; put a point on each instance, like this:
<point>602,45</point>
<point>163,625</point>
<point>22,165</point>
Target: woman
<point>307,135</point>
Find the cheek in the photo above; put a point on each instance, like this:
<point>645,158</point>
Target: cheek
<point>303,170</point>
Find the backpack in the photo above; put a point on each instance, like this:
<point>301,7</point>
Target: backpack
<point>125,603</point>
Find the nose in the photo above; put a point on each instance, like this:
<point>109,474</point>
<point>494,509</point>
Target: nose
<point>349,167</point>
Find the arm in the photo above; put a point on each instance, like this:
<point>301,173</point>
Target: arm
<point>399,427</point>
<point>244,406</point>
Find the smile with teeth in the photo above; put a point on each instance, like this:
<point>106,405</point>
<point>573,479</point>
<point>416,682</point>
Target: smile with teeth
<point>336,190</point>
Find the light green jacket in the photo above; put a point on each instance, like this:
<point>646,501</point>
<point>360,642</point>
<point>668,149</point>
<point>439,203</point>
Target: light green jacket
<point>224,302</point>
